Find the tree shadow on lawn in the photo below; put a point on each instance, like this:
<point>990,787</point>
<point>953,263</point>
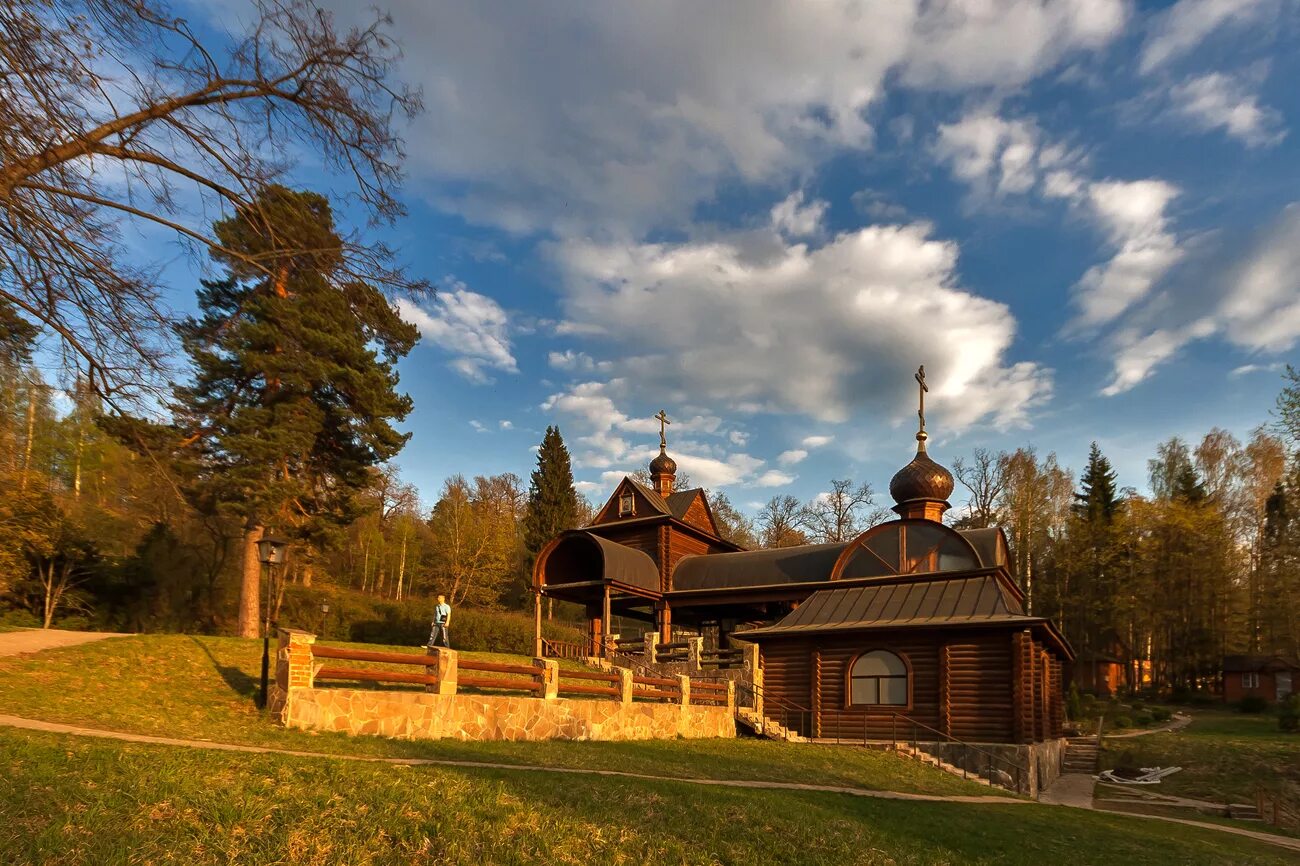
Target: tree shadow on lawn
<point>240,682</point>
<point>730,825</point>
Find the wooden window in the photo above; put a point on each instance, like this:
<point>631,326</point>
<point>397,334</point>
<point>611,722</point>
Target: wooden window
<point>1250,681</point>
<point>626,505</point>
<point>878,678</point>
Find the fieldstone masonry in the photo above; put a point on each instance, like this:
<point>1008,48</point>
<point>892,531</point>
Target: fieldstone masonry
<point>443,712</point>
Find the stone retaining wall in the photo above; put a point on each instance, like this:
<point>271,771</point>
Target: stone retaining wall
<point>1043,760</point>
<point>443,711</point>
<point>421,715</point>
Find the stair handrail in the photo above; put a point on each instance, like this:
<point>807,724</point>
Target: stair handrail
<point>992,758</point>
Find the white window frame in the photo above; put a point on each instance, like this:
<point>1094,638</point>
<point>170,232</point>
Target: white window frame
<point>876,678</point>
<point>626,504</point>
<point>1250,681</point>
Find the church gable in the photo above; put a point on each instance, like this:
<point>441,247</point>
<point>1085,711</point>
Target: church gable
<point>691,506</point>
<point>630,501</point>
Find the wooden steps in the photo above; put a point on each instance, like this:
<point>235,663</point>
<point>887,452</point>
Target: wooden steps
<point>1081,755</point>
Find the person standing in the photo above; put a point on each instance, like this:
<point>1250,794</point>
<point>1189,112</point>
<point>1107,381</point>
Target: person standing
<point>438,635</point>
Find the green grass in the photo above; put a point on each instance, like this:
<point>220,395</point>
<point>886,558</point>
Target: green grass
<point>1224,756</point>
<point>202,688</point>
<point>78,801</point>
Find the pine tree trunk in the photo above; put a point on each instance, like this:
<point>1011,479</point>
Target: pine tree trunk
<point>251,585</point>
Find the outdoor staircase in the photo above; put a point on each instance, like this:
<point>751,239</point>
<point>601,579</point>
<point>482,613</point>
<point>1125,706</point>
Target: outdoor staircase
<point>1244,812</point>
<point>766,727</point>
<point>1081,755</point>
<point>908,751</point>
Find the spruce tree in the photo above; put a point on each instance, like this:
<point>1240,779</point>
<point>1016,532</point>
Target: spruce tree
<point>1099,499</point>
<point>294,390</point>
<point>552,499</point>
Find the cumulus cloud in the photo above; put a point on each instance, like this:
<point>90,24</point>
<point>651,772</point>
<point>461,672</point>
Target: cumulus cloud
<point>792,457</point>
<point>1134,216</point>
<point>571,361</point>
<point>793,218</point>
<point>570,117</point>
<point>1218,101</point>
<point>773,478</point>
<point>819,331</point>
<point>817,441</point>
<point>1185,25</point>
<point>998,156</point>
<point>471,326</point>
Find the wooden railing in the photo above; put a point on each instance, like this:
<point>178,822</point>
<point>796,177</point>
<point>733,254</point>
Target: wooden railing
<point>586,684</point>
<point>656,687</point>
<point>995,766</point>
<point>558,649</point>
<point>526,678</point>
<point>1277,811</point>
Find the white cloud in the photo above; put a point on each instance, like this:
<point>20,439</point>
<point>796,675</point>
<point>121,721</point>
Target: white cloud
<point>575,362</point>
<point>738,437</point>
<point>1262,305</point>
<point>1246,369</point>
<point>819,331</point>
<point>994,155</point>
<point>773,478</point>
<point>816,441</point>
<point>1137,353</point>
<point>795,219</point>
<point>1133,214</point>
<point>570,117</point>
<point>792,457</point>
<point>505,425</point>
<point>468,325</point>
<point>1186,24</point>
<point>1219,101</point>
<point>479,426</point>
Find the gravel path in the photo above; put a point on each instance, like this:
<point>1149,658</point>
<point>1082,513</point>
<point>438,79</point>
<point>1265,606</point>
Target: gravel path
<point>33,640</point>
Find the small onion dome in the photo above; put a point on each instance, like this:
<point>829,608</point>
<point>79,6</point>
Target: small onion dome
<point>663,464</point>
<point>921,479</point>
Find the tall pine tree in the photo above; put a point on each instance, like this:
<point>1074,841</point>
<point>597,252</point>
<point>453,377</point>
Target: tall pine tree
<point>1098,500</point>
<point>294,390</point>
<point>552,499</point>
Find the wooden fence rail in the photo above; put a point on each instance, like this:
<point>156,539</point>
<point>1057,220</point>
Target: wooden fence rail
<point>505,676</point>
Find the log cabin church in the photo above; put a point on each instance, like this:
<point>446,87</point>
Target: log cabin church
<point>911,618</point>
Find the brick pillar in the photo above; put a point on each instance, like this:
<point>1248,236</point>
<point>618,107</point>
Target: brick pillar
<point>445,670</point>
<point>624,684</point>
<point>684,683</point>
<point>694,647</point>
<point>293,670</point>
<point>549,671</point>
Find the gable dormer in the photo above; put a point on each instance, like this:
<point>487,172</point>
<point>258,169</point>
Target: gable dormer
<point>631,501</point>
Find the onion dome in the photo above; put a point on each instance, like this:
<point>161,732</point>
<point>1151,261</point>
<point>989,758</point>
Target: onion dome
<point>663,464</point>
<point>921,479</point>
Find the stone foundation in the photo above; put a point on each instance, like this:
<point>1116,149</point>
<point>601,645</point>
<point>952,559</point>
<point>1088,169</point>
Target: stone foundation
<point>427,716</point>
<point>1042,760</point>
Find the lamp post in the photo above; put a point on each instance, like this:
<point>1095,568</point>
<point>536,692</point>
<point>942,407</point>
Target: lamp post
<point>271,551</point>
<point>324,615</point>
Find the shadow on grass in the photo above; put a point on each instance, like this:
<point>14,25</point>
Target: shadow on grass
<point>240,682</point>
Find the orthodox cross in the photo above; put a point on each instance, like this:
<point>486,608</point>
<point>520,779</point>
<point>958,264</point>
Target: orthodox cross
<point>924,389</point>
<point>662,418</point>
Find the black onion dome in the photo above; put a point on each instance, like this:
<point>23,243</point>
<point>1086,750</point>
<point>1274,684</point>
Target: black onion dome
<point>921,479</point>
<point>663,464</point>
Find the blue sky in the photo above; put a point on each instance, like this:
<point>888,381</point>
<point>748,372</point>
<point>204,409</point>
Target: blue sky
<point>1083,217</point>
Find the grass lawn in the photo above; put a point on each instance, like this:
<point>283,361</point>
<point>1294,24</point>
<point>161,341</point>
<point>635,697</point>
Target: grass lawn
<point>79,801</point>
<point>1224,756</point>
<point>203,687</point>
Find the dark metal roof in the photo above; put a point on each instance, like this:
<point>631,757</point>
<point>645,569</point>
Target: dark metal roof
<point>985,542</point>
<point>624,564</point>
<point>1232,664</point>
<point>680,501</point>
<point>807,563</point>
<point>955,601</point>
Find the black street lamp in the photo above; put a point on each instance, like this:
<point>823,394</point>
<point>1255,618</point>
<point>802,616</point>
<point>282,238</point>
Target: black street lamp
<point>324,615</point>
<point>271,551</point>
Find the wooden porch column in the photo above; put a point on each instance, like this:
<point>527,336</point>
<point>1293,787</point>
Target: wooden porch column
<point>595,630</point>
<point>537,624</point>
<point>665,616</point>
<point>606,649</point>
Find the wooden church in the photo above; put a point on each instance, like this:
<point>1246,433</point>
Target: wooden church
<point>912,618</point>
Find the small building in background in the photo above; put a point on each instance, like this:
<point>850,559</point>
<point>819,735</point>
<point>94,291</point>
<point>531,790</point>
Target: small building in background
<point>1272,678</point>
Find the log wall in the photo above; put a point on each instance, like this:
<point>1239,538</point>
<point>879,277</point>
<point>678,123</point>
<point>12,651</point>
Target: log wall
<point>974,685</point>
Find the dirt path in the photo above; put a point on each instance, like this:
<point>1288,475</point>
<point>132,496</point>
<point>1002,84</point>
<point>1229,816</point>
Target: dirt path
<point>34,640</point>
<point>1180,721</point>
<point>77,730</point>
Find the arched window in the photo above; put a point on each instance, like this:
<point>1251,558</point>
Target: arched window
<point>878,678</point>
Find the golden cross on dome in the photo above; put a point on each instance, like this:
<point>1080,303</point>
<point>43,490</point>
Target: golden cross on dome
<point>924,389</point>
<point>662,418</point>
